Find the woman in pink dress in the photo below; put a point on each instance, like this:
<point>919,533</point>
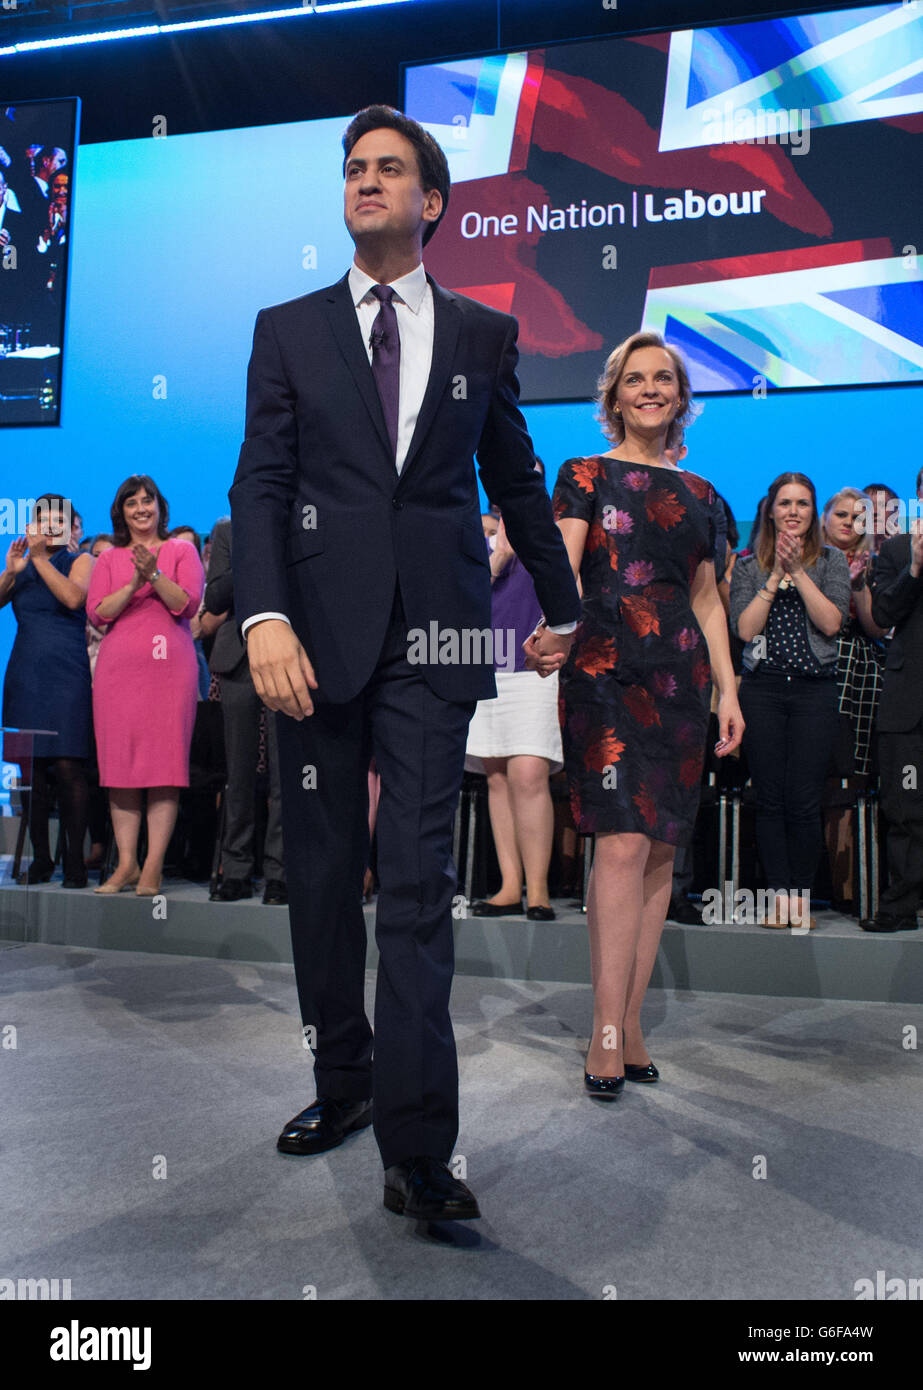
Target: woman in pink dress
<point>143,593</point>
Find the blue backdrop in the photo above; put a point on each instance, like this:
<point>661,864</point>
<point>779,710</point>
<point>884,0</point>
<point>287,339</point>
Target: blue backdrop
<point>179,241</point>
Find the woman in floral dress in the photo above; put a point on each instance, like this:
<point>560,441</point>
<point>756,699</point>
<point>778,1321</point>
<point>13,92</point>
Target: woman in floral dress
<point>641,534</point>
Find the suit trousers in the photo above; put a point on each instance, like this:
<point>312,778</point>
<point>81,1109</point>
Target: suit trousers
<point>240,705</point>
<point>901,772</point>
<point>418,742</point>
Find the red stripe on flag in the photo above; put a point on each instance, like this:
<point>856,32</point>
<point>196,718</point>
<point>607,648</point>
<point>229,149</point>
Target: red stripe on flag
<point>525,115</point>
<point>494,296</point>
<point>770,263</point>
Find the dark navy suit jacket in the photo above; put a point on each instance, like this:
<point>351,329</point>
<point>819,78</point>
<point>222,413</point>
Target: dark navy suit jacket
<point>322,523</point>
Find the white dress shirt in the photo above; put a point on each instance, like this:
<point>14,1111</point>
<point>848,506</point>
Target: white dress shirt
<point>413,304</point>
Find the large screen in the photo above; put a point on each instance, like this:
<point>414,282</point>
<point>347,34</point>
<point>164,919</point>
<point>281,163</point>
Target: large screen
<point>751,191</point>
<point>37,146</point>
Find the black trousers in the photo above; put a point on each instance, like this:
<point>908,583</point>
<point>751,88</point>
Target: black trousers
<point>901,769</point>
<point>241,708</point>
<point>791,725</point>
<point>418,741</point>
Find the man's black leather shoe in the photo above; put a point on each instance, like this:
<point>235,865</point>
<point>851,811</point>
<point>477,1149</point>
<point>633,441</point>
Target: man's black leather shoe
<point>424,1189</point>
<point>884,923</point>
<point>275,893</point>
<point>682,910</point>
<point>231,890</point>
<point>324,1125</point>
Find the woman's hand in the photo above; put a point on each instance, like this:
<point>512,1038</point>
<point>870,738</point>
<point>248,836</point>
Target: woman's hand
<point>16,557</point>
<point>789,550</point>
<point>858,566</point>
<point>38,542</point>
<point>145,563</point>
<point>730,725</point>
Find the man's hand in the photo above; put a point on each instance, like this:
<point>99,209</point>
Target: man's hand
<point>916,549</point>
<point>547,651</point>
<point>280,668</point>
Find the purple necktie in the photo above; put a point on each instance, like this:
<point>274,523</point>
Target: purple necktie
<point>386,359</point>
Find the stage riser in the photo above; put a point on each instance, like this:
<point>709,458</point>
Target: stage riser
<point>837,963</point>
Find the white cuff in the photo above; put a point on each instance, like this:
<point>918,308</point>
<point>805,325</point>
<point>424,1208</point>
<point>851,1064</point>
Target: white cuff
<point>258,618</point>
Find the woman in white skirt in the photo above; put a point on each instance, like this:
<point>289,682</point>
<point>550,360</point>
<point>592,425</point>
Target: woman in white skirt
<point>516,741</point>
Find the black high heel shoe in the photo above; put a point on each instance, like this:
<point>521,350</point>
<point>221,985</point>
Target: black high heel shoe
<point>40,871</point>
<point>648,1073</point>
<point>603,1087</point>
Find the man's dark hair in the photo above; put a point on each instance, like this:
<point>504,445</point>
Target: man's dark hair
<point>434,168</point>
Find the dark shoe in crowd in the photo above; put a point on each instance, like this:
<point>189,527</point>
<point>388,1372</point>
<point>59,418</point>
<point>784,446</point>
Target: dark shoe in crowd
<point>885,923</point>
<point>275,893</point>
<point>40,871</point>
<point>231,890</point>
<point>75,881</point>
<point>682,910</point>
<point>423,1188</point>
<point>482,908</point>
<point>540,914</point>
<point>324,1125</point>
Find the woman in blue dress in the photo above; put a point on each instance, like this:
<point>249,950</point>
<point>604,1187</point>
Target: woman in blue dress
<point>47,682</point>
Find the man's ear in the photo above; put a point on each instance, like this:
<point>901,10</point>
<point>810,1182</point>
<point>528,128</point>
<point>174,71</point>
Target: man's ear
<point>432,205</point>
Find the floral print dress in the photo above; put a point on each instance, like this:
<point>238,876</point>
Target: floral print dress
<point>636,688</point>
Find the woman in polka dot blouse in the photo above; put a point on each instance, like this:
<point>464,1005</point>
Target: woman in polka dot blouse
<point>789,600</point>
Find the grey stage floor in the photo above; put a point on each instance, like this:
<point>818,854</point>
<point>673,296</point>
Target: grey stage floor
<point>125,1061</point>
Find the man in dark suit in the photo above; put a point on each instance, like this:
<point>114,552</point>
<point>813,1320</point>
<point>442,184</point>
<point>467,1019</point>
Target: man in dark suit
<point>240,707</point>
<point>897,601</point>
<point>15,258</point>
<point>362,584</point>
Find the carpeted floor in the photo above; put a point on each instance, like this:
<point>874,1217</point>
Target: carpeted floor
<point>126,1065</point>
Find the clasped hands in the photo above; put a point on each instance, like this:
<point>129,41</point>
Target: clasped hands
<point>789,551</point>
<point>145,562</point>
<point>547,651</point>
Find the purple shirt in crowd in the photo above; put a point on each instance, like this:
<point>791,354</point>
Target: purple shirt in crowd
<point>515,608</point>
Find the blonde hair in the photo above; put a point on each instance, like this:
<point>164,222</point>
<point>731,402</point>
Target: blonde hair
<point>613,426</point>
<point>863,540</point>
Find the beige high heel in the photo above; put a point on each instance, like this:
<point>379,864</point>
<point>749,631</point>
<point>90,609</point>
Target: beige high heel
<point>145,892</point>
<point>123,887</point>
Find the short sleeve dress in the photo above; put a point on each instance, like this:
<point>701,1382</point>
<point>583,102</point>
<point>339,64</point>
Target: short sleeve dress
<point>146,683</point>
<point>636,688</point>
<point>47,682</point>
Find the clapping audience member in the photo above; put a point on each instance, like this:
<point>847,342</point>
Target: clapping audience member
<point>47,682</point>
<point>144,591</point>
<point>515,740</point>
<point>897,602</point>
<point>885,522</point>
<point>789,600</point>
<point>241,706</point>
<point>858,675</point>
